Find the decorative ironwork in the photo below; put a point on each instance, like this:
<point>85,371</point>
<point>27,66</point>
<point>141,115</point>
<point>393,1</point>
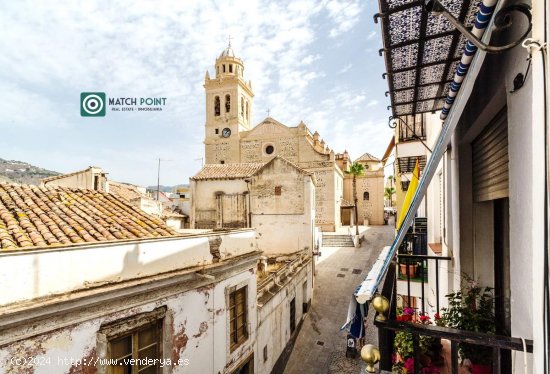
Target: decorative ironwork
<point>419,49</point>
<point>422,50</point>
<point>502,20</point>
<point>413,131</point>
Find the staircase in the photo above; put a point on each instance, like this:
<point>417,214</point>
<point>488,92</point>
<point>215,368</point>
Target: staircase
<point>337,241</point>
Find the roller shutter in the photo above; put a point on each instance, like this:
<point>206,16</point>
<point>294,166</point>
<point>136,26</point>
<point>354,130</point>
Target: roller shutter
<point>490,161</point>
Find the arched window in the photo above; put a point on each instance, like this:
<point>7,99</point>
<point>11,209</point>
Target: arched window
<point>223,68</point>
<point>231,68</point>
<point>247,116</point>
<point>227,103</point>
<point>217,106</point>
<point>242,106</point>
<point>365,195</point>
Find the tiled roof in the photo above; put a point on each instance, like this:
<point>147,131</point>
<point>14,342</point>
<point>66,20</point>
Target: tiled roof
<point>33,216</point>
<point>242,170</point>
<point>45,180</point>
<point>367,157</point>
<point>228,171</point>
<point>126,191</point>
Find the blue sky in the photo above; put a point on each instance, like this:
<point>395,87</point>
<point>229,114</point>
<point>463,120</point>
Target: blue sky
<point>315,61</point>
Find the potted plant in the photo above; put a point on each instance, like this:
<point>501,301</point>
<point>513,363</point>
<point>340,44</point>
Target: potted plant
<point>411,264</point>
<point>472,309</point>
<point>403,362</point>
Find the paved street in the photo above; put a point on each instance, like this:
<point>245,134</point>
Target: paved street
<point>320,346</point>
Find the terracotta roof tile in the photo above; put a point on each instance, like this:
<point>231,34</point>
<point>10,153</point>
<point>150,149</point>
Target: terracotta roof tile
<point>235,171</point>
<point>367,157</point>
<point>228,171</point>
<point>126,191</point>
<point>33,216</point>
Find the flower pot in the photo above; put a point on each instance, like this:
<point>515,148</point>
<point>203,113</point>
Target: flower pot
<point>482,369</point>
<point>412,270</point>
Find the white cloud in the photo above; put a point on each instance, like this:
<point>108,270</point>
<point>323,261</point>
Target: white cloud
<point>50,53</point>
<point>371,35</point>
<point>344,13</point>
<point>372,103</point>
<point>345,68</point>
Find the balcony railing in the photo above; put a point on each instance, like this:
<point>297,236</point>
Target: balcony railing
<point>387,328</point>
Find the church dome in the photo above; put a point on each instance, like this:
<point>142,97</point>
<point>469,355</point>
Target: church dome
<point>228,52</point>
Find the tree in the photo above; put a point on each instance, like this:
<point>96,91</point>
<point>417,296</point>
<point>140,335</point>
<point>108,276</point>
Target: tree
<point>356,169</point>
<point>388,194</point>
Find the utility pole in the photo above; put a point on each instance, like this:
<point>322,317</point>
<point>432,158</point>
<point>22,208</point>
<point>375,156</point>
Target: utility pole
<point>158,178</point>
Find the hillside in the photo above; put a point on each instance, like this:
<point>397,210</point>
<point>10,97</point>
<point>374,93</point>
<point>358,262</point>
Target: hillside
<point>22,172</point>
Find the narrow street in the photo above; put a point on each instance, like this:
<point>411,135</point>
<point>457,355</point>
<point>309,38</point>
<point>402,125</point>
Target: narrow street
<point>320,346</point>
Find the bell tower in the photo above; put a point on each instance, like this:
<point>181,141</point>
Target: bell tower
<point>228,109</point>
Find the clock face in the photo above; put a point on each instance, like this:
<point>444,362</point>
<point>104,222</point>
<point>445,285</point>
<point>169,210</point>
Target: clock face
<point>226,133</point>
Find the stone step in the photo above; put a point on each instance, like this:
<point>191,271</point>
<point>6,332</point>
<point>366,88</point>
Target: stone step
<point>337,241</point>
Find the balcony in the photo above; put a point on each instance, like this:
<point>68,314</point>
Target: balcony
<point>498,347</point>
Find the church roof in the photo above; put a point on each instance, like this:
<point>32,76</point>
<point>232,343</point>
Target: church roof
<point>32,217</point>
<point>238,170</point>
<point>367,157</point>
<point>228,171</point>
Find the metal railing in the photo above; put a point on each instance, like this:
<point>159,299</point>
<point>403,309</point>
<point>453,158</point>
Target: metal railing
<point>388,327</point>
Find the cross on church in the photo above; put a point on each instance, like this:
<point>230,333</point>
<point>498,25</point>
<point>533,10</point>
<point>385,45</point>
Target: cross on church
<point>268,111</point>
<point>229,40</point>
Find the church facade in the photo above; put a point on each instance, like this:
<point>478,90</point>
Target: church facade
<point>231,139</point>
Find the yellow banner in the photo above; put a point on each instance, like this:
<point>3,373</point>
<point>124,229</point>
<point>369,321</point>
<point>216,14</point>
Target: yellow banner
<point>413,185</point>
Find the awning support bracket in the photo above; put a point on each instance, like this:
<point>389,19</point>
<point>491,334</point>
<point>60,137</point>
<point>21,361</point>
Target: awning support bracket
<point>502,20</point>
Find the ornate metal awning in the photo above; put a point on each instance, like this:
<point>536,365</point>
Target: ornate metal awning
<point>422,51</point>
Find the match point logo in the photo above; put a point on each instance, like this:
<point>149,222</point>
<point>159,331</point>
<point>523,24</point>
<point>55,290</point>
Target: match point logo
<point>92,104</point>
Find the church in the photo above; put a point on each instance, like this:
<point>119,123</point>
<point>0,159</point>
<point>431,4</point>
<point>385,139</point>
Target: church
<point>230,138</point>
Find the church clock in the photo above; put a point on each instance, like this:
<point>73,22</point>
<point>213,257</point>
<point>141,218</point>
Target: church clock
<point>226,133</point>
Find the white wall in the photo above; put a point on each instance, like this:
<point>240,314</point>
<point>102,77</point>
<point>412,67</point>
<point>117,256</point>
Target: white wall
<point>274,318</point>
<point>38,273</point>
<point>196,329</point>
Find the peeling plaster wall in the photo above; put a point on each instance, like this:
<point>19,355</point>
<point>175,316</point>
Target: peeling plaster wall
<point>196,329</point>
<point>274,319</point>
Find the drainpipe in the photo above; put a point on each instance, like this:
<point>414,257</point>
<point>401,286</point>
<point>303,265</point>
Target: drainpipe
<point>249,203</point>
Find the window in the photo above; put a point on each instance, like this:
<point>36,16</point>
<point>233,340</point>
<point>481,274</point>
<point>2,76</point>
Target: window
<point>96,182</point>
<point>278,190</point>
<point>237,318</point>
<point>265,353</point>
<point>223,68</point>
<point>247,116</point>
<point>227,103</point>
<point>292,315</point>
<point>222,162</point>
<point>231,68</point>
<point>366,195</point>
<point>269,149</point>
<point>242,106</point>
<point>217,131</point>
<point>139,338</point>
<point>217,106</point>
<point>247,367</point>
<point>142,344</point>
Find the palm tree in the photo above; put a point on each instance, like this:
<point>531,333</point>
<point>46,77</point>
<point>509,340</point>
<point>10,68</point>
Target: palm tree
<point>356,169</point>
<point>388,194</point>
